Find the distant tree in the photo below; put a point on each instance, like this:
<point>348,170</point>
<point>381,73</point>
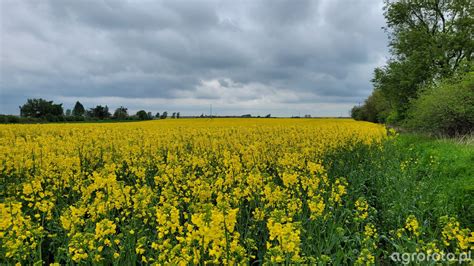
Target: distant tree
<point>157,115</point>
<point>142,115</point>
<point>177,115</point>
<point>376,108</point>
<point>7,119</point>
<point>358,113</point>
<point>173,115</point>
<point>268,116</point>
<point>107,114</point>
<point>78,109</point>
<point>120,113</point>
<point>100,112</point>
<point>246,115</point>
<point>40,108</point>
<point>150,115</point>
<point>164,115</point>
<point>68,112</point>
<point>202,115</point>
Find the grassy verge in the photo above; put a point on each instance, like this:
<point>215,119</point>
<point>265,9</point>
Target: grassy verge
<point>412,176</point>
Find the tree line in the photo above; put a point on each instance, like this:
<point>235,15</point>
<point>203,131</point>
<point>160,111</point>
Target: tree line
<point>41,110</point>
<point>428,83</point>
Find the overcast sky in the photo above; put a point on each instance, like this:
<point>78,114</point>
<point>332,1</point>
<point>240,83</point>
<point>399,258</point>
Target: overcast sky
<point>280,57</point>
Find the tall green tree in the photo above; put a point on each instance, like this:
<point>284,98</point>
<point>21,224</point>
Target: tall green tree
<point>399,82</point>
<point>429,40</point>
<point>142,115</point>
<point>100,112</point>
<point>78,109</point>
<point>164,115</point>
<point>40,108</point>
<point>376,108</point>
<point>438,33</point>
<point>120,113</point>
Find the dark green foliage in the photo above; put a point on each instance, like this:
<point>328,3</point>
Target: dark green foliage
<point>74,118</point>
<point>43,111</point>
<point>99,112</point>
<point>164,115</point>
<point>40,108</point>
<point>375,109</point>
<point>445,108</point>
<point>398,82</point>
<point>8,119</point>
<point>436,32</point>
<point>429,41</point>
<point>120,113</point>
<point>142,115</point>
<point>358,113</point>
<point>78,109</point>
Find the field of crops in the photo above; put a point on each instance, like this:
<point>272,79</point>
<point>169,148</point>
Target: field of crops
<point>209,191</point>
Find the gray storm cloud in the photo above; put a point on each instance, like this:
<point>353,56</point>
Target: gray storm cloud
<point>279,57</point>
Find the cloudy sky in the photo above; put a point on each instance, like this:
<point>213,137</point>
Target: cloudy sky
<point>271,56</point>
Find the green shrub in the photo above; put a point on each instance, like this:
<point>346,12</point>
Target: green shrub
<point>376,108</point>
<point>9,119</point>
<point>445,108</point>
<point>358,113</point>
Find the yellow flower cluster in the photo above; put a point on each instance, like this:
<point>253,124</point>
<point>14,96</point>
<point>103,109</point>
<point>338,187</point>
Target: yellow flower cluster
<point>412,225</point>
<point>452,232</point>
<point>286,236</point>
<point>199,191</point>
<point>362,208</point>
<point>19,234</point>
<point>369,236</point>
<point>453,238</point>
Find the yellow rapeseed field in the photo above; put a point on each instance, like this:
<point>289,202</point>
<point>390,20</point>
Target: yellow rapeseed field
<point>187,191</point>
